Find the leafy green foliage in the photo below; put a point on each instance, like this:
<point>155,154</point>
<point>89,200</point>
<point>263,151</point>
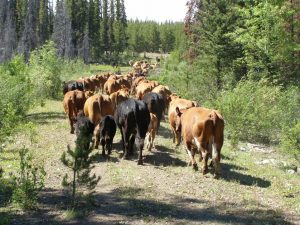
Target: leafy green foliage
<point>44,72</point>
<point>188,81</point>
<point>269,45</point>
<point>24,85</point>
<point>290,140</point>
<point>256,112</point>
<point>79,161</point>
<point>28,182</point>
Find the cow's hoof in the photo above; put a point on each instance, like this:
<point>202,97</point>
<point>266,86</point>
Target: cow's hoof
<point>140,162</point>
<point>205,171</point>
<point>195,167</point>
<point>217,176</point>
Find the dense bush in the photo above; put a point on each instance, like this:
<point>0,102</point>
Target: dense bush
<point>44,72</point>
<point>256,112</point>
<point>15,94</point>
<point>290,140</point>
<point>189,81</point>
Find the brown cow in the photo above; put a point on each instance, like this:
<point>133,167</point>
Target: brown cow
<point>202,130</point>
<point>102,78</point>
<point>124,82</point>
<point>144,87</point>
<point>73,103</point>
<point>119,96</point>
<point>182,104</point>
<point>97,107</point>
<point>111,85</point>
<point>89,83</point>
<point>152,129</point>
<point>135,83</point>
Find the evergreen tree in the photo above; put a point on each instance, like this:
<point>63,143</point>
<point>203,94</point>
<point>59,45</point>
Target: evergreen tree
<point>111,23</point>
<point>43,26</point>
<point>79,161</point>
<point>9,34</point>
<point>167,39</point>
<point>86,47</point>
<point>154,38</point>
<point>28,40</point>
<point>104,27</point>
<point>94,29</point>
<point>120,28</point>
<point>21,9</point>
<point>62,31</point>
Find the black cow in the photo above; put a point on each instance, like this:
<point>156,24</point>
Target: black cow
<point>132,117</point>
<point>84,129</point>
<point>156,105</point>
<point>105,133</point>
<point>72,85</point>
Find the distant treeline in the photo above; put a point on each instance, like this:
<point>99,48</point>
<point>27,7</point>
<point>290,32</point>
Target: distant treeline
<point>149,36</point>
<point>94,30</point>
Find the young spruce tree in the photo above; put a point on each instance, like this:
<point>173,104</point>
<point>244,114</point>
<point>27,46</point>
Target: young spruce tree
<point>79,161</point>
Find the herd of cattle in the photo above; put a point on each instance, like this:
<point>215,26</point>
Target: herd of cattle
<point>136,106</point>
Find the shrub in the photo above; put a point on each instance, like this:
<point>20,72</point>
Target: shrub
<point>290,141</point>
<point>28,182</point>
<point>44,72</point>
<point>256,112</point>
<point>189,81</point>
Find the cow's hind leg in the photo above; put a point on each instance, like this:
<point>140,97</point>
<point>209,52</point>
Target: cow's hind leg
<point>140,145</point>
<point>152,133</point>
<point>125,138</point>
<point>131,143</point>
<point>205,155</point>
<point>202,149</point>
<point>174,134</point>
<point>216,159</point>
<point>191,154</point>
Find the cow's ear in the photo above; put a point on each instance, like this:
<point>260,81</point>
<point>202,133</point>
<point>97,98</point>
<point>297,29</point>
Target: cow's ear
<point>178,111</point>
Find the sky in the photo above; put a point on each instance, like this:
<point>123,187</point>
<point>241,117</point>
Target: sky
<point>157,10</point>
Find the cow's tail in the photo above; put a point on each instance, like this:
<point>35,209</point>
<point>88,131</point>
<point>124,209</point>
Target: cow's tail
<point>72,103</point>
<point>215,116</point>
<point>100,99</point>
<point>216,119</point>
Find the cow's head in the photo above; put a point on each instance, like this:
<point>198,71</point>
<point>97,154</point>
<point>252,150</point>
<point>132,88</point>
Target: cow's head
<point>178,120</point>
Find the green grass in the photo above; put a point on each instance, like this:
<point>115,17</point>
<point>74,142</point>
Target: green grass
<point>96,68</point>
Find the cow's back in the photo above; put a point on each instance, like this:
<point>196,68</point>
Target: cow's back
<point>202,122</point>
<point>155,104</point>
